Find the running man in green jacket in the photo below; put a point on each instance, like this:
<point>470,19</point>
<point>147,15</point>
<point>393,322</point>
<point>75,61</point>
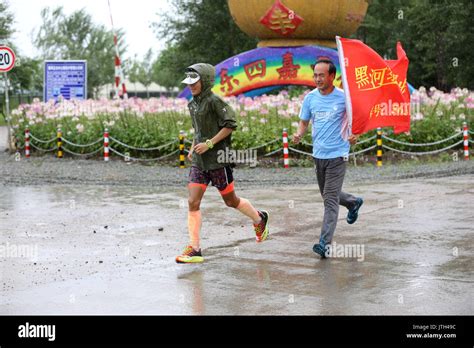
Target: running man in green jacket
<point>213,122</point>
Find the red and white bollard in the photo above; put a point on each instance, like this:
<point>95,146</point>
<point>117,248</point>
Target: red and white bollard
<point>27,143</point>
<point>106,145</point>
<point>286,159</point>
<point>466,141</point>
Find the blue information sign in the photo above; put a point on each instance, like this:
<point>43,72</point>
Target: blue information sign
<point>67,78</point>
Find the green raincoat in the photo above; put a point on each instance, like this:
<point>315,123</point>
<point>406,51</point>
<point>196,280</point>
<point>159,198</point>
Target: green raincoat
<point>209,115</point>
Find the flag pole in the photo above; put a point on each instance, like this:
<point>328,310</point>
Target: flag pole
<point>119,77</point>
<point>345,84</point>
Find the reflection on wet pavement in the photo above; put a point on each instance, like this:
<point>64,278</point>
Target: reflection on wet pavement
<point>91,249</point>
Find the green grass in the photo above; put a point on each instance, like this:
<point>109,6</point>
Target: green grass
<point>3,122</point>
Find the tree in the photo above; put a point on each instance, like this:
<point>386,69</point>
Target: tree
<point>443,42</point>
<point>146,76</point>
<point>6,22</point>
<point>384,25</point>
<point>134,72</point>
<point>167,71</point>
<point>77,37</point>
<point>436,35</point>
<point>198,31</point>
<point>6,28</point>
<point>142,71</point>
<point>27,75</point>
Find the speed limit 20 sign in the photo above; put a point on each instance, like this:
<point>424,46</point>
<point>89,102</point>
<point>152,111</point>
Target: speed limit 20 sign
<point>7,58</point>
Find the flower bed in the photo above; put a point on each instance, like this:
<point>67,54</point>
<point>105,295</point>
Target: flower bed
<point>156,121</point>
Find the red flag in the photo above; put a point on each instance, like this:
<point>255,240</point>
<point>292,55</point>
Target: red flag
<point>376,90</point>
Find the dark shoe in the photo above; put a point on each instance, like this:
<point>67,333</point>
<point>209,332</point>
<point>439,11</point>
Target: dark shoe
<point>353,213</point>
<point>318,249</point>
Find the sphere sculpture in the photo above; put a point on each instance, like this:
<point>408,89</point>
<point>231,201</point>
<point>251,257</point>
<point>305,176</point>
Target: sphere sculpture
<point>298,22</point>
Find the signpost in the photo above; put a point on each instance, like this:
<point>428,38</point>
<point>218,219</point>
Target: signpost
<point>65,79</point>
<point>7,62</point>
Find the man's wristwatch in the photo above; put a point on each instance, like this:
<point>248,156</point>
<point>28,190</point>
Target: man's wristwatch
<point>209,143</point>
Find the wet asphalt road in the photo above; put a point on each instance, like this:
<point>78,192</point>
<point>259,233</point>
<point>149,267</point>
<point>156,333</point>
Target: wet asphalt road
<point>90,249</point>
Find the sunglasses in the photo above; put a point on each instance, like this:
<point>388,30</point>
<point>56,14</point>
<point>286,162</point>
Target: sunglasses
<point>192,75</point>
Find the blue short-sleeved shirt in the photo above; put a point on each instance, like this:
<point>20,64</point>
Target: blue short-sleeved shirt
<point>330,127</point>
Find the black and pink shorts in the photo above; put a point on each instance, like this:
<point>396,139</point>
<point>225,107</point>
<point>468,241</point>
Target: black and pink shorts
<point>221,178</point>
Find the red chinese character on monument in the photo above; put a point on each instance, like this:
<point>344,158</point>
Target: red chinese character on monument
<point>256,69</point>
<point>288,70</point>
<point>281,19</point>
<point>227,80</point>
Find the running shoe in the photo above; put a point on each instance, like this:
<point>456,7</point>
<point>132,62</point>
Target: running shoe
<point>190,255</point>
<point>318,249</point>
<point>353,213</point>
<point>261,229</point>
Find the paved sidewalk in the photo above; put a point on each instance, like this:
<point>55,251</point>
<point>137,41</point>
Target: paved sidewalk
<point>110,250</point>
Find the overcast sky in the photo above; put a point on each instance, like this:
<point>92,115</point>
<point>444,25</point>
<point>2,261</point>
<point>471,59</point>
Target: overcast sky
<point>134,17</point>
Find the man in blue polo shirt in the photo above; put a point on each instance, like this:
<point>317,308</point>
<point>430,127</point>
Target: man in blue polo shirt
<point>325,107</point>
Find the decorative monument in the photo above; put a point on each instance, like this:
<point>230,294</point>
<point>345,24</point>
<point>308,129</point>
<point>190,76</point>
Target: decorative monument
<point>292,35</point>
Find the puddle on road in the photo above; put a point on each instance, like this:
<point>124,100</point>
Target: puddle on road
<point>408,266</point>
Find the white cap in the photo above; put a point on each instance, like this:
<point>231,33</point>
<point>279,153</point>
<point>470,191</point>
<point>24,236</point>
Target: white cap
<point>191,77</point>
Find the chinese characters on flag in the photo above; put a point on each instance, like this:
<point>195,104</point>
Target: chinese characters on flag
<point>376,90</point>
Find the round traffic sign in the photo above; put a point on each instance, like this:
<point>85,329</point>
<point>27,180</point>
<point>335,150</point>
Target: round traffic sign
<point>7,58</point>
